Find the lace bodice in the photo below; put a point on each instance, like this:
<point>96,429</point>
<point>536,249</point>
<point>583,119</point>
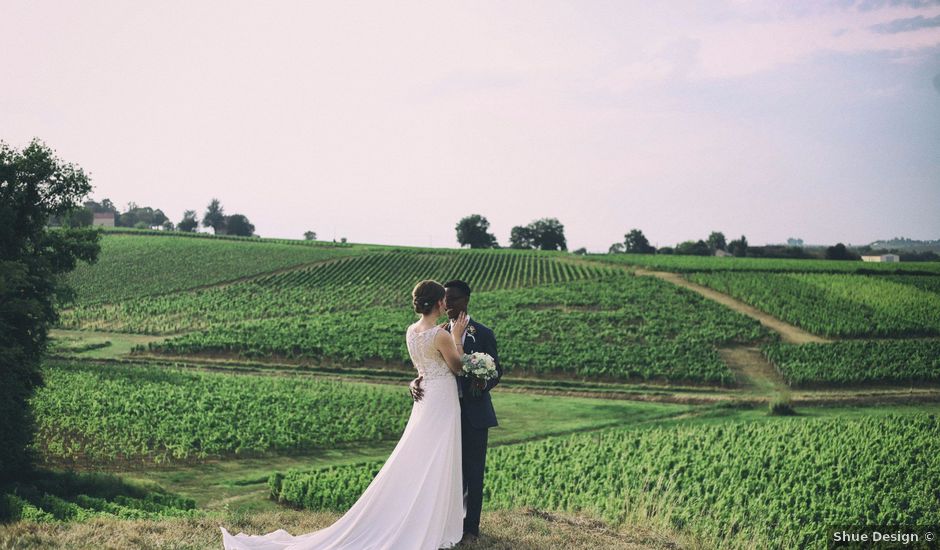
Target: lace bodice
<point>424,355</point>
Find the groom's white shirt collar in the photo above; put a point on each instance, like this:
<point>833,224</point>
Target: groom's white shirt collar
<point>450,325</point>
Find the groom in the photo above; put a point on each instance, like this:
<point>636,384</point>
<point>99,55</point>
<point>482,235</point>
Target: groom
<point>476,413</point>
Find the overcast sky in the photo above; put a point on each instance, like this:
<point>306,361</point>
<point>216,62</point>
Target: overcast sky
<point>386,122</point>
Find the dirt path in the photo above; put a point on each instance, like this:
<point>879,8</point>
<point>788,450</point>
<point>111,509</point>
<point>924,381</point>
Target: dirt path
<point>754,372</point>
<point>788,333</point>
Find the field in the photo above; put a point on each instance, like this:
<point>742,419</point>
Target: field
<point>858,362</point>
<point>845,306</point>
<point>786,481</point>
<point>705,264</point>
<point>156,265</point>
<point>231,380</point>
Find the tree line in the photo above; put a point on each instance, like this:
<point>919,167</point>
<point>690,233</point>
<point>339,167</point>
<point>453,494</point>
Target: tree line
<point>541,234</point>
<point>146,217</point>
<point>549,234</point>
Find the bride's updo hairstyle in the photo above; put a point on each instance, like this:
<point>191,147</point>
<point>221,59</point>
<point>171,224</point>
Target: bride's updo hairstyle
<point>426,295</point>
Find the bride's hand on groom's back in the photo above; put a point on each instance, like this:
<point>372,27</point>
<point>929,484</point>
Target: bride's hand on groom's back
<point>417,392</point>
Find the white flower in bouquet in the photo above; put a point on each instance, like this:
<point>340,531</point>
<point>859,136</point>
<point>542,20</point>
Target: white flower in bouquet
<point>479,366</point>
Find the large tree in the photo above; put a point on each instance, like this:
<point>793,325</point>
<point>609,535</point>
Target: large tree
<point>738,247</point>
<point>520,237</point>
<point>549,234</point>
<point>694,248</point>
<point>473,231</point>
<point>635,242</point>
<point>840,252</point>
<point>716,241</point>
<point>34,185</point>
<point>214,216</point>
<point>189,223</point>
<point>238,224</point>
<point>140,217</point>
<point>544,234</point>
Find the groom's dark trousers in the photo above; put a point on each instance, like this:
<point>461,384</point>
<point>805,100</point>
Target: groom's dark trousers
<point>476,418</point>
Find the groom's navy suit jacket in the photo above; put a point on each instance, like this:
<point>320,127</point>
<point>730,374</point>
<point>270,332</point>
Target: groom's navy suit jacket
<point>478,411</point>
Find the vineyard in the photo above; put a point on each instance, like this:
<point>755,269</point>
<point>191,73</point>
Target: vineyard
<point>555,316</point>
<point>621,327</point>
<point>132,265</point>
<point>785,480</point>
<point>623,394</point>
<point>836,305</point>
<point>693,264</point>
<point>857,362</point>
<point>358,283</point>
<point>88,414</point>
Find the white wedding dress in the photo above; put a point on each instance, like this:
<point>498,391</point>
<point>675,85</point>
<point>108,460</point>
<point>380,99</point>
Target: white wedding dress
<point>416,500</point>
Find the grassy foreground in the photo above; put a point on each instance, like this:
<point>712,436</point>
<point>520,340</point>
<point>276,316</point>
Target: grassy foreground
<point>522,529</point>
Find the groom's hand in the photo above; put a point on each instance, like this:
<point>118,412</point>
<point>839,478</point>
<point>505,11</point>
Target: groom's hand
<point>417,392</point>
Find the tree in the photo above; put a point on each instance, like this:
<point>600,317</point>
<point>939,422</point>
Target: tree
<point>693,248</point>
<point>158,218</point>
<point>237,224</point>
<point>616,248</point>
<point>310,235</point>
<point>544,234</point>
<point>520,237</point>
<point>141,217</point>
<point>635,242</point>
<point>665,250</point>
<point>794,242</point>
<point>168,225</point>
<point>716,241</point>
<point>839,252</point>
<point>548,234</point>
<point>34,186</point>
<point>214,217</point>
<point>128,218</point>
<point>189,223</point>
<point>80,217</point>
<point>580,251</point>
<point>473,231</point>
<point>738,247</point>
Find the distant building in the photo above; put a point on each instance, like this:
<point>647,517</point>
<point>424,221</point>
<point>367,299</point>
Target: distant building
<point>104,218</point>
<point>720,252</point>
<point>882,258</point>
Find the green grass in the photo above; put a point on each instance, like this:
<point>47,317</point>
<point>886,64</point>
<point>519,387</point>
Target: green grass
<point>47,496</point>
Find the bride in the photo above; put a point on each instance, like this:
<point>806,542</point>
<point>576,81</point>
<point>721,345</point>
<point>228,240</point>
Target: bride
<point>416,500</point>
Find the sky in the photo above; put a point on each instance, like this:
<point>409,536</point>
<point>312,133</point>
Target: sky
<point>386,122</point>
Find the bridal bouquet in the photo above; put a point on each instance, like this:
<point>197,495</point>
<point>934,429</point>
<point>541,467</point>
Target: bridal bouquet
<point>478,366</point>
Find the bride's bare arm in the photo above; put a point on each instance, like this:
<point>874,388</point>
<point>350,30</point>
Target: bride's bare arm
<point>451,345</point>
